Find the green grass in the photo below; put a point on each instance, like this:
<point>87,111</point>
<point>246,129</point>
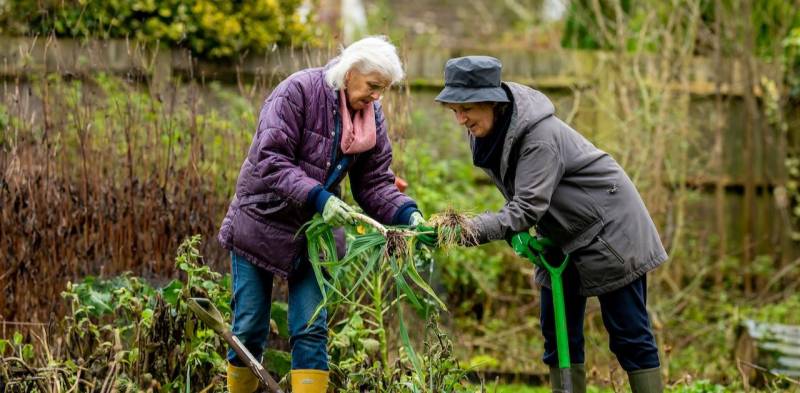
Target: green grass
<point>520,388</point>
<point>700,386</point>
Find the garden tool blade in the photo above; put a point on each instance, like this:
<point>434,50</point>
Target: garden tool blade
<point>205,310</point>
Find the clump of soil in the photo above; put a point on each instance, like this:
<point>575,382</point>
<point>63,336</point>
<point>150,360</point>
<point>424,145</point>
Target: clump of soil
<point>397,244</point>
<point>454,228</point>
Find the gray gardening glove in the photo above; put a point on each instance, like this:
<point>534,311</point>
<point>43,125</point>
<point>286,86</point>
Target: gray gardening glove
<point>337,213</point>
<point>416,219</point>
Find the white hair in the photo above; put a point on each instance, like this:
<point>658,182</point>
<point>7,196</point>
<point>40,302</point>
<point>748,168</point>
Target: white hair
<point>371,54</point>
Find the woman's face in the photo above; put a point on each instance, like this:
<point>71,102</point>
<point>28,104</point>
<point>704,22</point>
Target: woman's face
<point>362,89</point>
<point>478,117</point>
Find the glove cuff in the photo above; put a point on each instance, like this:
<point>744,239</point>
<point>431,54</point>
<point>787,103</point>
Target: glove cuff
<point>403,215</point>
<point>318,197</point>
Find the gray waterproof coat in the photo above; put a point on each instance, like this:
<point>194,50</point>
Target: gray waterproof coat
<point>572,192</point>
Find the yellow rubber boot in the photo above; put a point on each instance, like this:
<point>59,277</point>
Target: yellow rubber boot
<point>309,381</point>
<point>241,380</point>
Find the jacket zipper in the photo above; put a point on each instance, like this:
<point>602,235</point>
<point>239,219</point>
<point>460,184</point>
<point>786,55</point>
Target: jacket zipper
<point>613,251</point>
<point>336,137</point>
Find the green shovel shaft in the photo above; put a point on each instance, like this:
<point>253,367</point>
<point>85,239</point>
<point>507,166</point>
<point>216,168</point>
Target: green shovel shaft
<point>559,309</point>
<point>533,249</point>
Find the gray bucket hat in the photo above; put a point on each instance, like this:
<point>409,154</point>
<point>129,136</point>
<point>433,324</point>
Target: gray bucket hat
<point>472,79</point>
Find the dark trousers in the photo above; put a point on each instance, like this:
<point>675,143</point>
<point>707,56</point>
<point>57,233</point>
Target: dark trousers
<point>624,316</point>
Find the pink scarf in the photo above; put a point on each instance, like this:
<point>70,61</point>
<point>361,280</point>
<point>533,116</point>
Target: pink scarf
<point>358,132</point>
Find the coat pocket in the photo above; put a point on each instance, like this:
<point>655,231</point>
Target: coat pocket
<point>572,219</point>
<point>263,207</point>
<point>601,262</point>
<point>611,250</point>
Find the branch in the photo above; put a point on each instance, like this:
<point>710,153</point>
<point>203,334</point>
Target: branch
<point>768,371</point>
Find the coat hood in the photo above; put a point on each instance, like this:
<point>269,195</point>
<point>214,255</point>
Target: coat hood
<point>530,107</point>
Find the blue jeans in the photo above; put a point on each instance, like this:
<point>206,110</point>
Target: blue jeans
<point>251,301</point>
<point>624,316</point>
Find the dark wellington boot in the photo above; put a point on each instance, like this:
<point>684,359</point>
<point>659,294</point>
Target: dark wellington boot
<point>578,373</point>
<point>646,381</point>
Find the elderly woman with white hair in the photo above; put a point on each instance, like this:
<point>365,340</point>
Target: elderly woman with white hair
<point>317,126</point>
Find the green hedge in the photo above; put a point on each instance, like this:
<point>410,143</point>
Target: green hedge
<point>212,29</point>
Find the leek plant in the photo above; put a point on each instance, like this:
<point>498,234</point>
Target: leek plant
<point>377,278</point>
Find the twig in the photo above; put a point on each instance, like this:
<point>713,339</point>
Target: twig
<point>779,275</point>
<point>108,383</point>
<point>77,381</point>
<point>768,371</point>
<point>576,103</point>
<point>209,387</point>
<point>33,374</point>
<point>745,378</point>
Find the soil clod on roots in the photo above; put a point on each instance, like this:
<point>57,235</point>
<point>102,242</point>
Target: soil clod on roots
<point>396,244</point>
<point>454,228</point>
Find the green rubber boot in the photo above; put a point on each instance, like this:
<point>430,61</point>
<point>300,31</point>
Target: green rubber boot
<point>578,372</point>
<point>646,381</point>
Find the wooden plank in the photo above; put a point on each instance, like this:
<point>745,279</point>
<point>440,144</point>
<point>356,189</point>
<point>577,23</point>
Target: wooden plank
<point>775,347</point>
<point>543,68</point>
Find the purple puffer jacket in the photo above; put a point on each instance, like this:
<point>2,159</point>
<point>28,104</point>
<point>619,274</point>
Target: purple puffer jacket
<point>291,154</point>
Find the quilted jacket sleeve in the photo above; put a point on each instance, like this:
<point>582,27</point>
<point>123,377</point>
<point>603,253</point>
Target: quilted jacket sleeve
<point>279,132</point>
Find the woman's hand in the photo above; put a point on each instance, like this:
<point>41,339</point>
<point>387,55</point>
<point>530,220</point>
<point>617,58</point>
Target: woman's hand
<point>416,219</point>
<point>336,212</point>
<point>427,235</point>
<point>519,242</point>
<point>428,238</point>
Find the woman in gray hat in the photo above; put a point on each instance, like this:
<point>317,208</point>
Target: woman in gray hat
<point>555,180</point>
